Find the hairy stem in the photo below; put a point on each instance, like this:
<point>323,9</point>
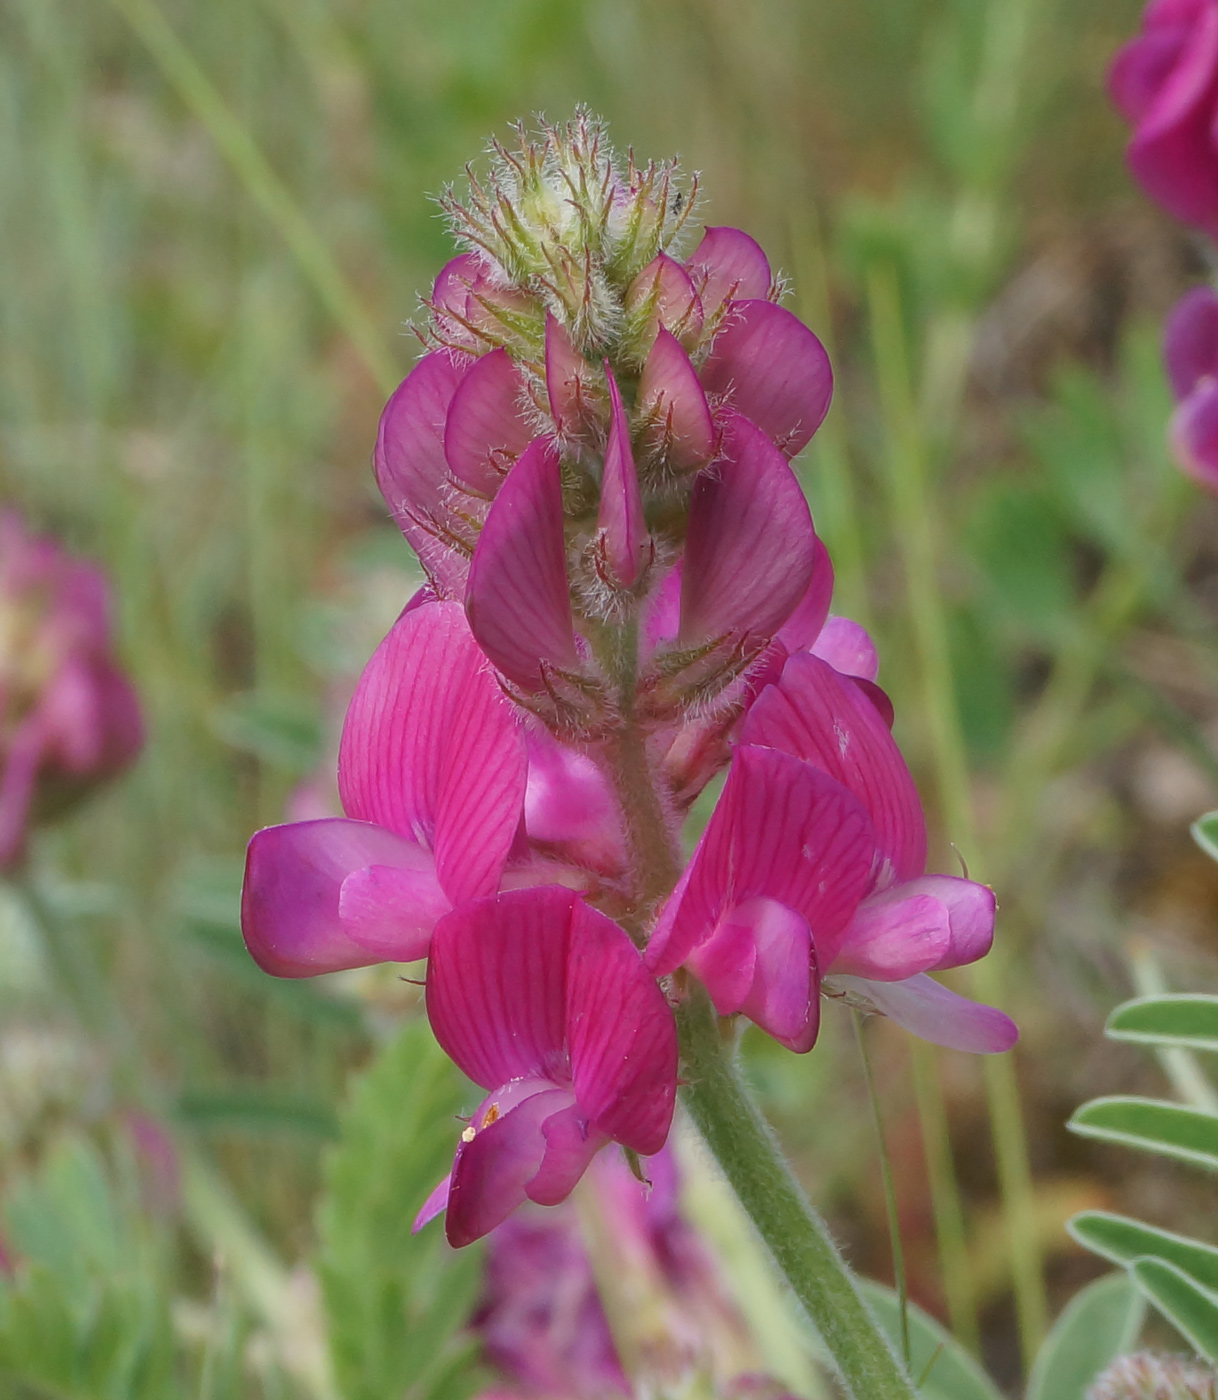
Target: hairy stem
<point>741,1140</point>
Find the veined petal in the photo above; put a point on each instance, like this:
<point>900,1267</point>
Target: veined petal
<point>803,628</point>
<point>932,1012</point>
<point>571,1143</point>
<point>495,1162</point>
<point>663,296</point>
<point>431,749</point>
<point>671,404</point>
<point>971,909</point>
<point>496,985</point>
<point>895,935</point>
<point>848,648</point>
<point>411,468</point>
<point>485,431</point>
<point>825,719</point>
<point>621,1033</point>
<point>624,543</point>
<point>518,599</point>
<point>390,910</point>
<point>783,830</point>
<point>760,961</point>
<point>1190,340</point>
<point>728,265</point>
<point>769,366</point>
<point>290,902</point>
<point>750,550</point>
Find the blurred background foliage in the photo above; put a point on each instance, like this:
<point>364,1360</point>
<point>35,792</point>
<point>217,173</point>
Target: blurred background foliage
<point>215,224</point>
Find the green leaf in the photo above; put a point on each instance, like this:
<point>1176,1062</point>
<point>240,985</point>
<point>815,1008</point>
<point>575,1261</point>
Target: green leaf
<point>945,1369</point>
<point>256,1111</point>
<point>1186,1019</point>
<point>1153,1125</point>
<point>1100,1323</point>
<point>395,1300</point>
<point>1205,834</point>
<point>1123,1240</point>
<point>1191,1309</point>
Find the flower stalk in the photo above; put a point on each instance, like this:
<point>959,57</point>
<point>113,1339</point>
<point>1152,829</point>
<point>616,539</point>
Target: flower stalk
<point>743,1144</point>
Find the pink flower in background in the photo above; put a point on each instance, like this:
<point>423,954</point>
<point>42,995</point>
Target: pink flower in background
<point>1165,83</point>
<point>1190,350</point>
<point>69,718</point>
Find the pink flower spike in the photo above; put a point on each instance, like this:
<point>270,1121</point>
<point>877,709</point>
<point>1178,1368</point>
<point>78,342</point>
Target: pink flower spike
<point>291,902</point>
<point>728,265</point>
<point>411,468</point>
<point>750,550</point>
<point>784,831</point>
<point>624,546</point>
<point>932,1012</point>
<point>671,403</point>
<point>431,749</point>
<point>826,719</point>
<point>485,430</point>
<point>664,294</point>
<point>1190,341</point>
<point>518,599</point>
<point>546,1002</point>
<point>769,366</point>
<point>576,395</point>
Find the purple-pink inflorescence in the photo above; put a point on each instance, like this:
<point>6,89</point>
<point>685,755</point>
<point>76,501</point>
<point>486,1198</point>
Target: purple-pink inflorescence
<point>626,597</point>
<point>1165,84</point>
<point>69,718</point>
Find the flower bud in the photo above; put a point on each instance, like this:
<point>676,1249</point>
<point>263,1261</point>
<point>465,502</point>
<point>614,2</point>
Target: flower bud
<point>1147,1376</point>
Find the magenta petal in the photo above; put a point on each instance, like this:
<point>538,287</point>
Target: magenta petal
<point>892,938</point>
<point>621,1033</point>
<point>672,404</point>
<point>726,962</point>
<point>1190,340</point>
<point>932,1012</point>
<point>485,430</point>
<point>570,1145</point>
<point>569,803</point>
<point>803,628</point>
<point>493,1168</point>
<point>971,909</point>
<point>290,914</point>
<point>1141,68</point>
<point>1193,434</point>
<point>729,265</point>
<point>848,648</point>
<point>769,366</point>
<point>496,984</point>
<point>784,999</point>
<point>411,468</point>
<point>662,615</point>
<point>518,600</point>
<point>431,749</point>
<point>784,830</point>
<point>390,910</point>
<point>664,295</point>
<point>624,543</point>
<point>435,1203</point>
<point>827,720</point>
<point>750,550</point>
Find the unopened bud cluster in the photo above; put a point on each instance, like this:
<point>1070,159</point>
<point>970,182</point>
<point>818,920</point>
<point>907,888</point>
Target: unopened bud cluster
<point>1147,1375</point>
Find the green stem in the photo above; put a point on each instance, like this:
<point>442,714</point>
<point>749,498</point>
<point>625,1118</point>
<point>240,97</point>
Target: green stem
<point>890,1189</point>
<point>741,1140</point>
